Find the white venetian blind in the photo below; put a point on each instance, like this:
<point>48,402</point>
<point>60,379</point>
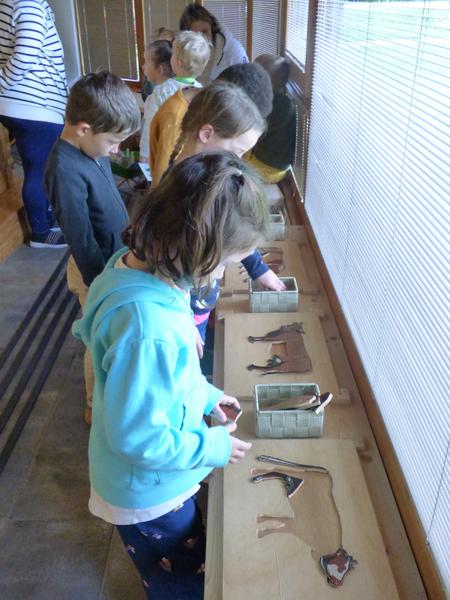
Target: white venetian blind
<point>297,29</point>
<point>377,196</point>
<point>107,31</point>
<point>265,27</point>
<point>163,13</point>
<point>233,14</point>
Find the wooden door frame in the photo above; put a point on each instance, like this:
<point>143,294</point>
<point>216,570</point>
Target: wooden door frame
<point>301,75</point>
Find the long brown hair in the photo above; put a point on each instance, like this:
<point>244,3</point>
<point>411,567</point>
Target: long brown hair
<point>208,207</point>
<point>194,12</point>
<point>225,107</point>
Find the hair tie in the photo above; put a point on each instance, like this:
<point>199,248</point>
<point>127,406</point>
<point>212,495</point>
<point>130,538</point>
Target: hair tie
<point>238,177</point>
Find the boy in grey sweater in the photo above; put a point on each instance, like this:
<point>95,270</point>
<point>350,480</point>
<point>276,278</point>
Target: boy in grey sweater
<point>101,113</point>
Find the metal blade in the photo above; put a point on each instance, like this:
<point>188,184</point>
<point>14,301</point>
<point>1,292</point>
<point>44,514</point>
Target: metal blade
<point>287,463</point>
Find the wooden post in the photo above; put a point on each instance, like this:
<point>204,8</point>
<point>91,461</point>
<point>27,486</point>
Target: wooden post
<point>5,160</point>
<point>283,25</point>
<point>250,29</point>
<point>140,34</point>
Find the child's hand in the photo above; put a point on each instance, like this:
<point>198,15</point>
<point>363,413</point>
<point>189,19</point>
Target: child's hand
<point>238,447</point>
<point>227,401</point>
<point>271,281</point>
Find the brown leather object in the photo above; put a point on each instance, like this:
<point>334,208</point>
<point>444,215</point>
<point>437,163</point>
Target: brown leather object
<point>296,402</point>
<point>283,334</point>
<point>296,360</point>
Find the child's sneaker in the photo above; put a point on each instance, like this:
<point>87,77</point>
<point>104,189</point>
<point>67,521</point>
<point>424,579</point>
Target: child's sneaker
<point>53,239</point>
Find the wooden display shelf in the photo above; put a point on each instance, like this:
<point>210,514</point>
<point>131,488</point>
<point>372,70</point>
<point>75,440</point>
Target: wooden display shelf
<point>236,277</point>
<point>343,420</point>
<point>284,566</point>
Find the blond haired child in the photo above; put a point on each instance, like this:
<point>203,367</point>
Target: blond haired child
<point>190,53</point>
<point>189,57</point>
<point>226,50</point>
<point>149,445</point>
<point>166,124</point>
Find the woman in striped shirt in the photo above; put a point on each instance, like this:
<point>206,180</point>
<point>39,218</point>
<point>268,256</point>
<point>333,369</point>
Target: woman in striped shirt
<point>33,95</point>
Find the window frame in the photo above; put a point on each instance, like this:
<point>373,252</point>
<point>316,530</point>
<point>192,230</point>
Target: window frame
<point>140,42</point>
<point>301,75</point>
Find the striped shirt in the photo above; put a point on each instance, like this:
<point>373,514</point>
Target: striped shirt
<point>32,77</point>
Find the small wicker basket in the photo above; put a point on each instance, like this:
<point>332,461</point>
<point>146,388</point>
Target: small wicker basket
<point>277,226</point>
<point>286,423</point>
<point>263,300</point>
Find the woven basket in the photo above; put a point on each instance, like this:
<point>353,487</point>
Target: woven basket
<point>277,226</point>
<point>286,423</point>
<point>262,300</point>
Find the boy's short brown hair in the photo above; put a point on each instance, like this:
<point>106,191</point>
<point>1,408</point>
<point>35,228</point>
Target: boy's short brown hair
<point>192,50</point>
<point>105,102</point>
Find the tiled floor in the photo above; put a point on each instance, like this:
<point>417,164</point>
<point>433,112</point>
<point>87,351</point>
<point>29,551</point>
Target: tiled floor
<point>52,548</point>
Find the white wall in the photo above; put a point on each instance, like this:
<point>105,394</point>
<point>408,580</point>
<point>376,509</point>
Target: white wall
<point>66,25</point>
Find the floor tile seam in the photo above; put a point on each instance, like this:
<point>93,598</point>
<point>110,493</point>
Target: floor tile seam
<point>105,568</point>
<point>40,364</point>
<point>39,323</point>
<point>34,363</point>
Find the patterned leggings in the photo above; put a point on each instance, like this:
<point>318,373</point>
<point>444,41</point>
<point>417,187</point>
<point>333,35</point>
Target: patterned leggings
<point>169,553</point>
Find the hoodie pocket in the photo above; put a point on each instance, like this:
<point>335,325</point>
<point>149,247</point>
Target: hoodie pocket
<point>143,478</point>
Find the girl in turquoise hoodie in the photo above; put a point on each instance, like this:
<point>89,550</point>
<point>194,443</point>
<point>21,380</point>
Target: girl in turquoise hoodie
<point>149,445</point>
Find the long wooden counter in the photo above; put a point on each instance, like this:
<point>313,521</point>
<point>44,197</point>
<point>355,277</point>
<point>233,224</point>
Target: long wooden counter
<point>345,420</point>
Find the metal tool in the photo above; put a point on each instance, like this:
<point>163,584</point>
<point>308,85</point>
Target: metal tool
<point>287,463</point>
<point>292,484</point>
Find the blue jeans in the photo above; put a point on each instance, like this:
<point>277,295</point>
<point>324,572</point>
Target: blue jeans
<point>34,141</point>
<point>169,553</point>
